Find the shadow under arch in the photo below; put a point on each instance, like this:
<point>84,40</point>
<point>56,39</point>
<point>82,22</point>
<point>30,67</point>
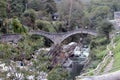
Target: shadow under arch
<point>47,42</point>
<point>74,38</point>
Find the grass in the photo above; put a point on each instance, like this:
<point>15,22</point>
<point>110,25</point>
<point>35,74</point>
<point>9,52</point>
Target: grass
<point>116,51</point>
<point>104,66</point>
<point>98,52</point>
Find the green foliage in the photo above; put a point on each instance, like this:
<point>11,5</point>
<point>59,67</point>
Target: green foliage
<point>48,6</point>
<point>94,64</point>
<point>3,5</point>
<point>116,40</point>
<point>30,17</point>
<point>75,16</point>
<point>58,25</point>
<point>27,46</point>
<point>17,26</point>
<point>99,41</point>
<point>104,66</point>
<point>30,13</point>
<point>58,74</point>
<point>116,52</point>
<point>98,51</point>
<point>116,64</point>
<point>6,51</point>
<point>36,5</point>
<point>42,62</point>
<point>105,28</point>
<point>100,12</point>
<point>15,7</point>
<point>45,25</point>
<point>113,5</point>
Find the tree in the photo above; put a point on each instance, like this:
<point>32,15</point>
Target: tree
<point>50,6</point>
<point>25,4</point>
<point>3,5</point>
<point>45,25</point>
<point>37,5</point>
<point>44,9</point>
<point>29,18</point>
<point>17,26</point>
<point>105,28</point>
<point>114,5</point>
<point>96,14</point>
<point>58,73</point>
<point>71,12</point>
<point>16,7</point>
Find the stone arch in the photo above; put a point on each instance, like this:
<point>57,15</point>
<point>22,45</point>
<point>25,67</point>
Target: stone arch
<point>74,32</point>
<point>70,36</point>
<point>57,38</point>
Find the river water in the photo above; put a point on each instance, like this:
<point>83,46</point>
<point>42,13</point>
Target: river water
<point>78,60</point>
<point>75,63</point>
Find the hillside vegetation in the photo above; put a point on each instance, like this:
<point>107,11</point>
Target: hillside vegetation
<point>20,17</point>
<point>105,63</point>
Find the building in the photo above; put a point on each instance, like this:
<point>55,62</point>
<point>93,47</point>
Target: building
<point>55,16</point>
<point>116,21</point>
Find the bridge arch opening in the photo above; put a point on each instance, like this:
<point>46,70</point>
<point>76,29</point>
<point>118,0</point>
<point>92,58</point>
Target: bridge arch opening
<point>57,38</point>
<point>47,42</point>
<point>76,38</point>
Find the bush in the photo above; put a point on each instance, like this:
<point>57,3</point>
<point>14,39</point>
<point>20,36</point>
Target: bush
<point>58,74</point>
<point>27,46</point>
<point>58,25</point>
<point>29,18</point>
<point>45,25</point>
<point>30,13</point>
<point>7,51</point>
<point>17,26</point>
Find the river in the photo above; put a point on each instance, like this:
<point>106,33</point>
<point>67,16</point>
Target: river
<point>74,64</point>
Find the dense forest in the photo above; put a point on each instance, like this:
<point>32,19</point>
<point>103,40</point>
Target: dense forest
<point>19,17</point>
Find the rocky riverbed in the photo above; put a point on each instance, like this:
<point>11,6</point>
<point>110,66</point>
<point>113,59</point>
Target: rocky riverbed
<point>72,57</point>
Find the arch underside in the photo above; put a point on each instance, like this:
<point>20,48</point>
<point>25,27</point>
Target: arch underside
<point>60,39</point>
<point>75,34</point>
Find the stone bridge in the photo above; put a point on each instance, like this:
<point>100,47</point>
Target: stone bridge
<point>10,38</point>
<point>57,38</point>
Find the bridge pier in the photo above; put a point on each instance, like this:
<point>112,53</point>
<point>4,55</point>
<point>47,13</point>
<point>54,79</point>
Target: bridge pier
<point>57,41</point>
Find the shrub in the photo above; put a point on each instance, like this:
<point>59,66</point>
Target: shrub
<point>17,26</point>
<point>29,18</point>
<point>45,25</point>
